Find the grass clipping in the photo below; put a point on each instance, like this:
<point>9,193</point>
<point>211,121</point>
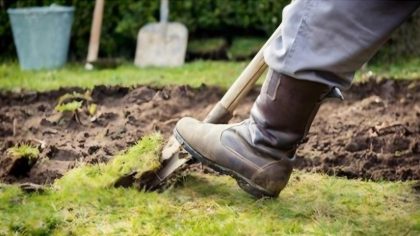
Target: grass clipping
<point>139,158</point>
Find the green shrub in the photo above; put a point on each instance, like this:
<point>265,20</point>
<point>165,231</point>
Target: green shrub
<point>123,19</point>
<point>404,43</point>
<point>245,47</point>
<point>208,48</point>
<point>203,18</point>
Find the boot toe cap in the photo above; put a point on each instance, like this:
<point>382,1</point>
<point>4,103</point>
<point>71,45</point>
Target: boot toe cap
<point>193,131</point>
<point>185,125</point>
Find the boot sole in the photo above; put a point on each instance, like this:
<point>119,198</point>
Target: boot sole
<point>244,183</point>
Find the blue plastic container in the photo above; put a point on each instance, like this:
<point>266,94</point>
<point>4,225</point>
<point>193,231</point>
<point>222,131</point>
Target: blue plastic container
<point>41,35</point>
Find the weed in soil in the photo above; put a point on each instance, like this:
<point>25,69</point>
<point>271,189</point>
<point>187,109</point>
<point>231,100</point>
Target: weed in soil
<point>69,107</point>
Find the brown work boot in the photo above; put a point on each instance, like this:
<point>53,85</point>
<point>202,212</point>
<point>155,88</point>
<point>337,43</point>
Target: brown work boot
<point>259,151</point>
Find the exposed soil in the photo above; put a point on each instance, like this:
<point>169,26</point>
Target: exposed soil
<point>374,134</point>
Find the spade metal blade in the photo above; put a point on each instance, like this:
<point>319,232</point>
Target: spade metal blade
<point>172,159</point>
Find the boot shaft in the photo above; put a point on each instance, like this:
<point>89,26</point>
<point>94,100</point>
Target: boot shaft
<point>284,111</point>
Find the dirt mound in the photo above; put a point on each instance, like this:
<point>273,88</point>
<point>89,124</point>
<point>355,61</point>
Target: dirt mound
<point>373,134</point>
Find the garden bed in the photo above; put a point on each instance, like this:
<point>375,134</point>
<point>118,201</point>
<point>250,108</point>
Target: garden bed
<point>374,134</point>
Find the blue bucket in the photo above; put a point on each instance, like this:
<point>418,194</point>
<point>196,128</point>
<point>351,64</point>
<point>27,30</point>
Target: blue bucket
<point>41,35</point>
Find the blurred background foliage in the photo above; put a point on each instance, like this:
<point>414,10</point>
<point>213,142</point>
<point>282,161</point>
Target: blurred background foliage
<point>225,19</point>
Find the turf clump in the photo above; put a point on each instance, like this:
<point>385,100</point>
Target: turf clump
<point>18,160</point>
<point>141,157</point>
<point>23,150</point>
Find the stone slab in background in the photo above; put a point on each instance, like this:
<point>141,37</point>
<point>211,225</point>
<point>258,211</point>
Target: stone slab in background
<point>161,44</point>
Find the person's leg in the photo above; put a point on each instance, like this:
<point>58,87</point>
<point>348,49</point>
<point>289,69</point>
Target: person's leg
<point>327,41</point>
<point>322,44</point>
<point>257,152</point>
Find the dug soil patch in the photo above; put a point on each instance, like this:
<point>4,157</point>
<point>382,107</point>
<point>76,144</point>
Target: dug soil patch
<point>373,134</point>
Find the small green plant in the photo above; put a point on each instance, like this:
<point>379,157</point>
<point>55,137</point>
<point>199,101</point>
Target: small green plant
<point>23,150</point>
<point>74,102</point>
<point>70,106</point>
<point>69,97</point>
<point>92,109</point>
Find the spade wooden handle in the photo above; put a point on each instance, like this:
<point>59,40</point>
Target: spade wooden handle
<point>95,33</point>
<point>222,111</point>
<point>164,11</point>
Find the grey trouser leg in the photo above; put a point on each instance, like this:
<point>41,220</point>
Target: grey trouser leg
<point>326,41</point>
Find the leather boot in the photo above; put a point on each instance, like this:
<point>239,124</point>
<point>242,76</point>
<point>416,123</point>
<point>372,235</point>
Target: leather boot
<point>259,151</point>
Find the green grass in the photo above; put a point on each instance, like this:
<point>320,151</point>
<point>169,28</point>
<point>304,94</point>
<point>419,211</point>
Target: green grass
<point>74,75</point>
<point>23,150</point>
<point>83,203</point>
<point>406,69</point>
<point>220,73</point>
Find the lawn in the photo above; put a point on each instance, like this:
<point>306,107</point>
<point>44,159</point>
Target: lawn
<point>220,73</point>
<point>84,202</point>
<point>74,75</point>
